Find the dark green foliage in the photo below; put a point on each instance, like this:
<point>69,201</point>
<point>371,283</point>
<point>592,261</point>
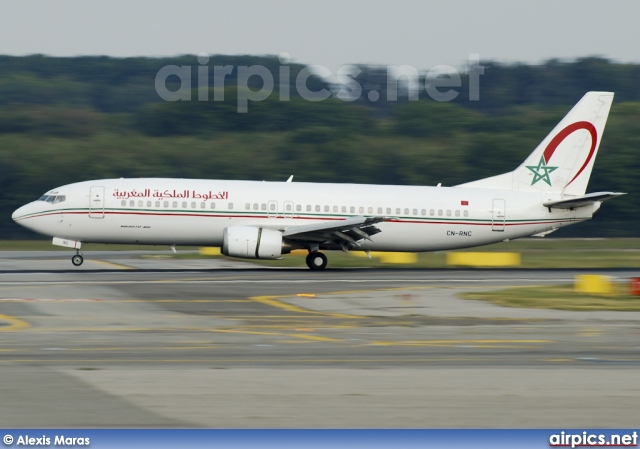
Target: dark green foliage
<point>430,118</point>
<point>207,117</point>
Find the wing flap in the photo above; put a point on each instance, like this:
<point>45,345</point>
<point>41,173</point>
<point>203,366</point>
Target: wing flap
<point>345,233</point>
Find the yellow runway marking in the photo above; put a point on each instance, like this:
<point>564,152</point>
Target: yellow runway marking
<point>474,343</point>
<point>312,337</point>
<point>184,300</point>
<point>15,324</point>
<point>276,334</point>
<point>273,302</point>
<point>590,333</point>
<point>113,265</point>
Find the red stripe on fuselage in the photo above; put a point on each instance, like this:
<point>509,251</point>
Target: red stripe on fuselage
<point>392,220</point>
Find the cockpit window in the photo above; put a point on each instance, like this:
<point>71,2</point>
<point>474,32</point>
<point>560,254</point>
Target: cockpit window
<point>52,198</point>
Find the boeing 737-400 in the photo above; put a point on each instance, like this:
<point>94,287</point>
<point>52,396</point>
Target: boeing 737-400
<point>264,220</point>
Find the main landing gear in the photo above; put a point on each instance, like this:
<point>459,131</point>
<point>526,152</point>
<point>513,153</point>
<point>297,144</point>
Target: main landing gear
<point>77,259</point>
<point>316,260</point>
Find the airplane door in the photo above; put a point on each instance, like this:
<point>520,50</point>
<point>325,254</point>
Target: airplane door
<point>96,202</point>
<point>497,223</point>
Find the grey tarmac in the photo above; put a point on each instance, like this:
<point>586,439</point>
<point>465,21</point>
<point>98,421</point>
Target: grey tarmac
<point>127,341</point>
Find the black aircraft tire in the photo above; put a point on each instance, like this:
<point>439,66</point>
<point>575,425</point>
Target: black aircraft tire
<point>316,261</point>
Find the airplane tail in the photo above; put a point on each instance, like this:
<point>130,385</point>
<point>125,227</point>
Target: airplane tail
<point>562,162</point>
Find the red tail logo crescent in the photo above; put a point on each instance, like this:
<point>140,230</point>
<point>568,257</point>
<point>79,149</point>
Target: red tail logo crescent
<point>557,140</point>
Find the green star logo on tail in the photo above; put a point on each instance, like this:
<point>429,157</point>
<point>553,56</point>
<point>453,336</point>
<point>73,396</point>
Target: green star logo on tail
<point>541,171</point>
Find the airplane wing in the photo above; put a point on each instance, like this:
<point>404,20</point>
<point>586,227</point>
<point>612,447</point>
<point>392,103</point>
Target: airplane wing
<point>582,201</point>
<point>343,233</point>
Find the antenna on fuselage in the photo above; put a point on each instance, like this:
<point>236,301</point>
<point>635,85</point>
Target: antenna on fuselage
<point>290,178</point>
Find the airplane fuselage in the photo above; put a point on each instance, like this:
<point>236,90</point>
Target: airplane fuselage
<point>157,211</point>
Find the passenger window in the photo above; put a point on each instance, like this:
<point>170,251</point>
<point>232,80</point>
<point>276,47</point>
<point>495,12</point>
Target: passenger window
<point>298,208</point>
<point>308,207</point>
<point>247,206</point>
<point>230,206</point>
<point>184,204</point>
<point>335,208</point>
<point>406,211</point>
<point>212,206</point>
<point>326,208</point>
<point>415,211</point>
<point>166,204</point>
<point>193,204</point>
<point>439,212</point>
<point>466,213</point>
<point>448,213</point>
<point>288,207</point>
<point>256,206</point>
<point>272,207</point>
<point>174,204</point>
<point>157,203</point>
<point>123,202</point>
<point>317,208</point>
<point>388,210</point>
<point>344,209</point>
<point>352,209</point>
<point>132,203</point>
<point>423,212</point>
<point>397,211</point>
<point>370,210</point>
<point>203,205</point>
<point>457,213</point>
<point>140,203</point>
<point>432,212</point>
<point>149,203</point>
<point>379,210</point>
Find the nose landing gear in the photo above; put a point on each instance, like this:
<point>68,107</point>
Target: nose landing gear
<point>77,259</point>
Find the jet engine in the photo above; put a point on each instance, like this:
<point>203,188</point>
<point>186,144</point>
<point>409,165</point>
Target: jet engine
<point>251,242</point>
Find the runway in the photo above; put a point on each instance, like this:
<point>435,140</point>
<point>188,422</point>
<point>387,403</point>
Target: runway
<point>130,341</point>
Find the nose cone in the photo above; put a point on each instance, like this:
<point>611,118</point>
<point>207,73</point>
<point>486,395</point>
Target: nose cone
<point>21,212</point>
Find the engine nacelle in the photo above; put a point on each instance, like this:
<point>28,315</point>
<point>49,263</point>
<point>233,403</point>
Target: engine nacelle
<point>251,242</point>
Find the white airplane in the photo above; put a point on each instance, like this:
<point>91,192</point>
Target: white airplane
<point>264,220</point>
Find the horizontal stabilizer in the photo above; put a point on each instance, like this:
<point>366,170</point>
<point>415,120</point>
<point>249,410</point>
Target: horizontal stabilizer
<point>582,201</point>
